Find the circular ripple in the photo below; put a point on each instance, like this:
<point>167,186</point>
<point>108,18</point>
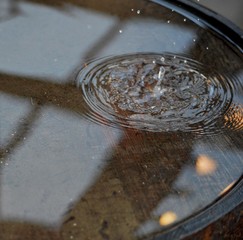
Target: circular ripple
<point>155,92</point>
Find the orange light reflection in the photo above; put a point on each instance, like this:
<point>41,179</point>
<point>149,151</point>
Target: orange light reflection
<point>167,218</point>
<point>227,189</point>
<point>205,165</point>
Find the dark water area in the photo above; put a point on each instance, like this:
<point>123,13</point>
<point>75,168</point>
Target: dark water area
<point>118,120</point>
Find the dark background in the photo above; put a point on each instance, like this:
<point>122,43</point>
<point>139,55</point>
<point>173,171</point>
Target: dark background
<point>231,9</point>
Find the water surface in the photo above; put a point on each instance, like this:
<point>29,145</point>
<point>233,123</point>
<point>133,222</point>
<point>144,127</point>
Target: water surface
<point>117,119</point>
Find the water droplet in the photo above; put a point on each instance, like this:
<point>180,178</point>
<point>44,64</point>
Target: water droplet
<point>154,92</point>
<point>138,11</point>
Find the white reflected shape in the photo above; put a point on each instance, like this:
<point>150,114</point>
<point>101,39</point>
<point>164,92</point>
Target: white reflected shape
<point>55,165</point>
<point>62,154</point>
<point>149,35</point>
<point>9,118</point>
<point>32,40</point>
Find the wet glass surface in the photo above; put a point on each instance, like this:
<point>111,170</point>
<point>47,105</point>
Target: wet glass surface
<point>118,119</point>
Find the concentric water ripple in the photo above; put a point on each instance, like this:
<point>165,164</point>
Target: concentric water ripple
<point>155,92</point>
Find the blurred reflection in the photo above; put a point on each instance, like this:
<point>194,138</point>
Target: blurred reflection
<point>19,134</point>
<point>117,182</point>
<point>167,218</point>
<point>234,119</point>
<point>140,174</point>
<point>227,188</point>
<point>205,165</point>
<point>190,187</point>
<point>8,9</point>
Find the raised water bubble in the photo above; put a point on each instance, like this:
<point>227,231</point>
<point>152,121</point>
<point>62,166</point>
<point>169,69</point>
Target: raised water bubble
<point>155,92</point>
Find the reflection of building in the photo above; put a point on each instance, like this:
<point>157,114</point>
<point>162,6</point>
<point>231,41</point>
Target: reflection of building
<point>128,177</point>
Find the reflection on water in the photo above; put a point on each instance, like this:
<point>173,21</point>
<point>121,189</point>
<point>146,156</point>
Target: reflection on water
<point>55,167</point>
<point>155,92</point>
<point>225,190</point>
<point>205,165</point>
<point>167,218</point>
<point>198,181</point>
<point>63,176</point>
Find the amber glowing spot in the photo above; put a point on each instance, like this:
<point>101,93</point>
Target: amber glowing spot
<point>227,188</point>
<point>167,218</point>
<point>205,165</point>
<point>235,118</point>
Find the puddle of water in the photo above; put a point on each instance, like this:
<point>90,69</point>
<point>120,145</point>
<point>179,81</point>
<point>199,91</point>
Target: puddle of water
<point>155,92</point>
<point>146,140</point>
